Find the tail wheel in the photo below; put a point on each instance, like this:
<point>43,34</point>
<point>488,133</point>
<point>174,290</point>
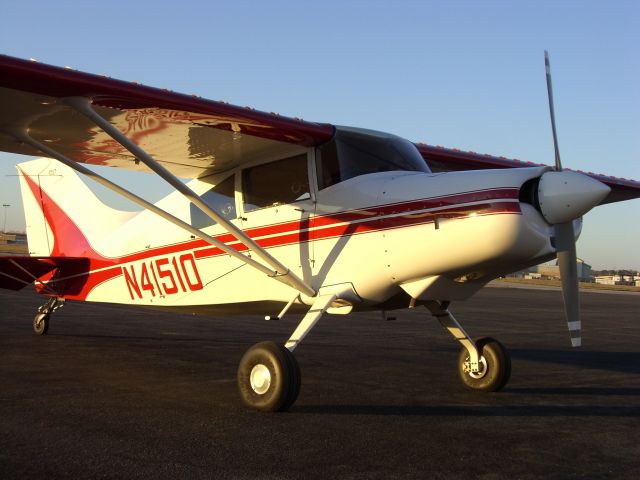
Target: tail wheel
<point>495,366</point>
<point>268,378</point>
<point>41,323</point>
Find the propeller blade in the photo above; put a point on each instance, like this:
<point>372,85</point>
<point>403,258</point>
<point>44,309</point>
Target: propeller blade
<point>564,235</point>
<point>551,111</point>
<point>568,263</point>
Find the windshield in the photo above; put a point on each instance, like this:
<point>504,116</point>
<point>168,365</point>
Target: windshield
<point>353,152</point>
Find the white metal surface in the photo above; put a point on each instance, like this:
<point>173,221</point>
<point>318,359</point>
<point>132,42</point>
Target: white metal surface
<point>340,242</point>
<point>565,196</point>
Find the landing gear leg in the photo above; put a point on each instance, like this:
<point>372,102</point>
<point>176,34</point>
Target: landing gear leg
<point>268,375</point>
<point>41,320</point>
<point>484,364</point>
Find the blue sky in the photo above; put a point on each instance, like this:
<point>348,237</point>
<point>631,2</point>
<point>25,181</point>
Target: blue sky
<point>465,74</point>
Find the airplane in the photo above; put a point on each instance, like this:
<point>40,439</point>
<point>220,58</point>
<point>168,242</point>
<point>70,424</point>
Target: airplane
<point>274,215</point>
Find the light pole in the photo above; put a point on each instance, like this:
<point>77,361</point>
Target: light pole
<point>4,226</point>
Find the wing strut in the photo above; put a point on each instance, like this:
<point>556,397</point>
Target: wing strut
<point>83,105</point>
<point>287,277</point>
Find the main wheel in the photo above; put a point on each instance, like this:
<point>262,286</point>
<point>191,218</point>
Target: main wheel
<point>495,366</point>
<point>41,323</point>
<point>268,378</point>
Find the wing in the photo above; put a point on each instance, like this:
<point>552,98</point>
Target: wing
<point>189,135</point>
<point>192,137</point>
<point>445,159</point>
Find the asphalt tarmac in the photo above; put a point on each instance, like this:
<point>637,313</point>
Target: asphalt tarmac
<point>117,392</point>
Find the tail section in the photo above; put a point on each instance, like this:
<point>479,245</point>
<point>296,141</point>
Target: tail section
<point>83,249</point>
<point>63,216</point>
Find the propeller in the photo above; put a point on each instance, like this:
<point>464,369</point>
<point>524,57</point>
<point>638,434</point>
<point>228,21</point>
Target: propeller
<point>565,239</point>
<point>565,196</point>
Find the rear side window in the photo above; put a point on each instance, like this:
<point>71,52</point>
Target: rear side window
<point>221,198</point>
<point>276,183</point>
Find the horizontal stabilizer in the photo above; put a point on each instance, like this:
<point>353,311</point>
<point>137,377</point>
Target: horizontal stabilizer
<point>16,272</point>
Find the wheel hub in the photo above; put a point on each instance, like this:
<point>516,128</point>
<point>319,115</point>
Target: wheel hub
<point>260,379</point>
<point>482,368</point>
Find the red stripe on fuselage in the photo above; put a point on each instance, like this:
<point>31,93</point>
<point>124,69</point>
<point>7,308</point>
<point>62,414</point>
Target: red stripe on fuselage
<point>70,241</point>
<point>357,221</point>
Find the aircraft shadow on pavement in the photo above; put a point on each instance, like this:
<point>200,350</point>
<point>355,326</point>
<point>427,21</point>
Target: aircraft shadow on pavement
<point>170,338</point>
<point>167,339</point>
<point>577,391</point>
<point>473,411</point>
<point>623,362</point>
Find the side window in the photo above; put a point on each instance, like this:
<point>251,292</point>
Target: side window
<point>327,165</point>
<point>221,198</point>
<point>271,184</point>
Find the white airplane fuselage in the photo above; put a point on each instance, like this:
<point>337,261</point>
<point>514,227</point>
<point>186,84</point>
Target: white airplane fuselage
<point>378,239</point>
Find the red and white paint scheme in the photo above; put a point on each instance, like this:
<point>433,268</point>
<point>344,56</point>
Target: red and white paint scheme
<point>273,214</point>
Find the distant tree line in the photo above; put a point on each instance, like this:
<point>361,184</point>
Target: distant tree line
<point>599,273</point>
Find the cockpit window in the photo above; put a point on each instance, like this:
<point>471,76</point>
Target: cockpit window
<point>357,152</point>
<point>221,198</point>
<point>275,183</point>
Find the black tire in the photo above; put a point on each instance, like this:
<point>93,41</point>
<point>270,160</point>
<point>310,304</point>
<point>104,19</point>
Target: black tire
<point>496,364</point>
<point>41,324</point>
<point>295,380</point>
<point>276,378</point>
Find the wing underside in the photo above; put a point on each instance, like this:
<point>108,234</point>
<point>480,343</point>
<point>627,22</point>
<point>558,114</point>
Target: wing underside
<point>190,136</point>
